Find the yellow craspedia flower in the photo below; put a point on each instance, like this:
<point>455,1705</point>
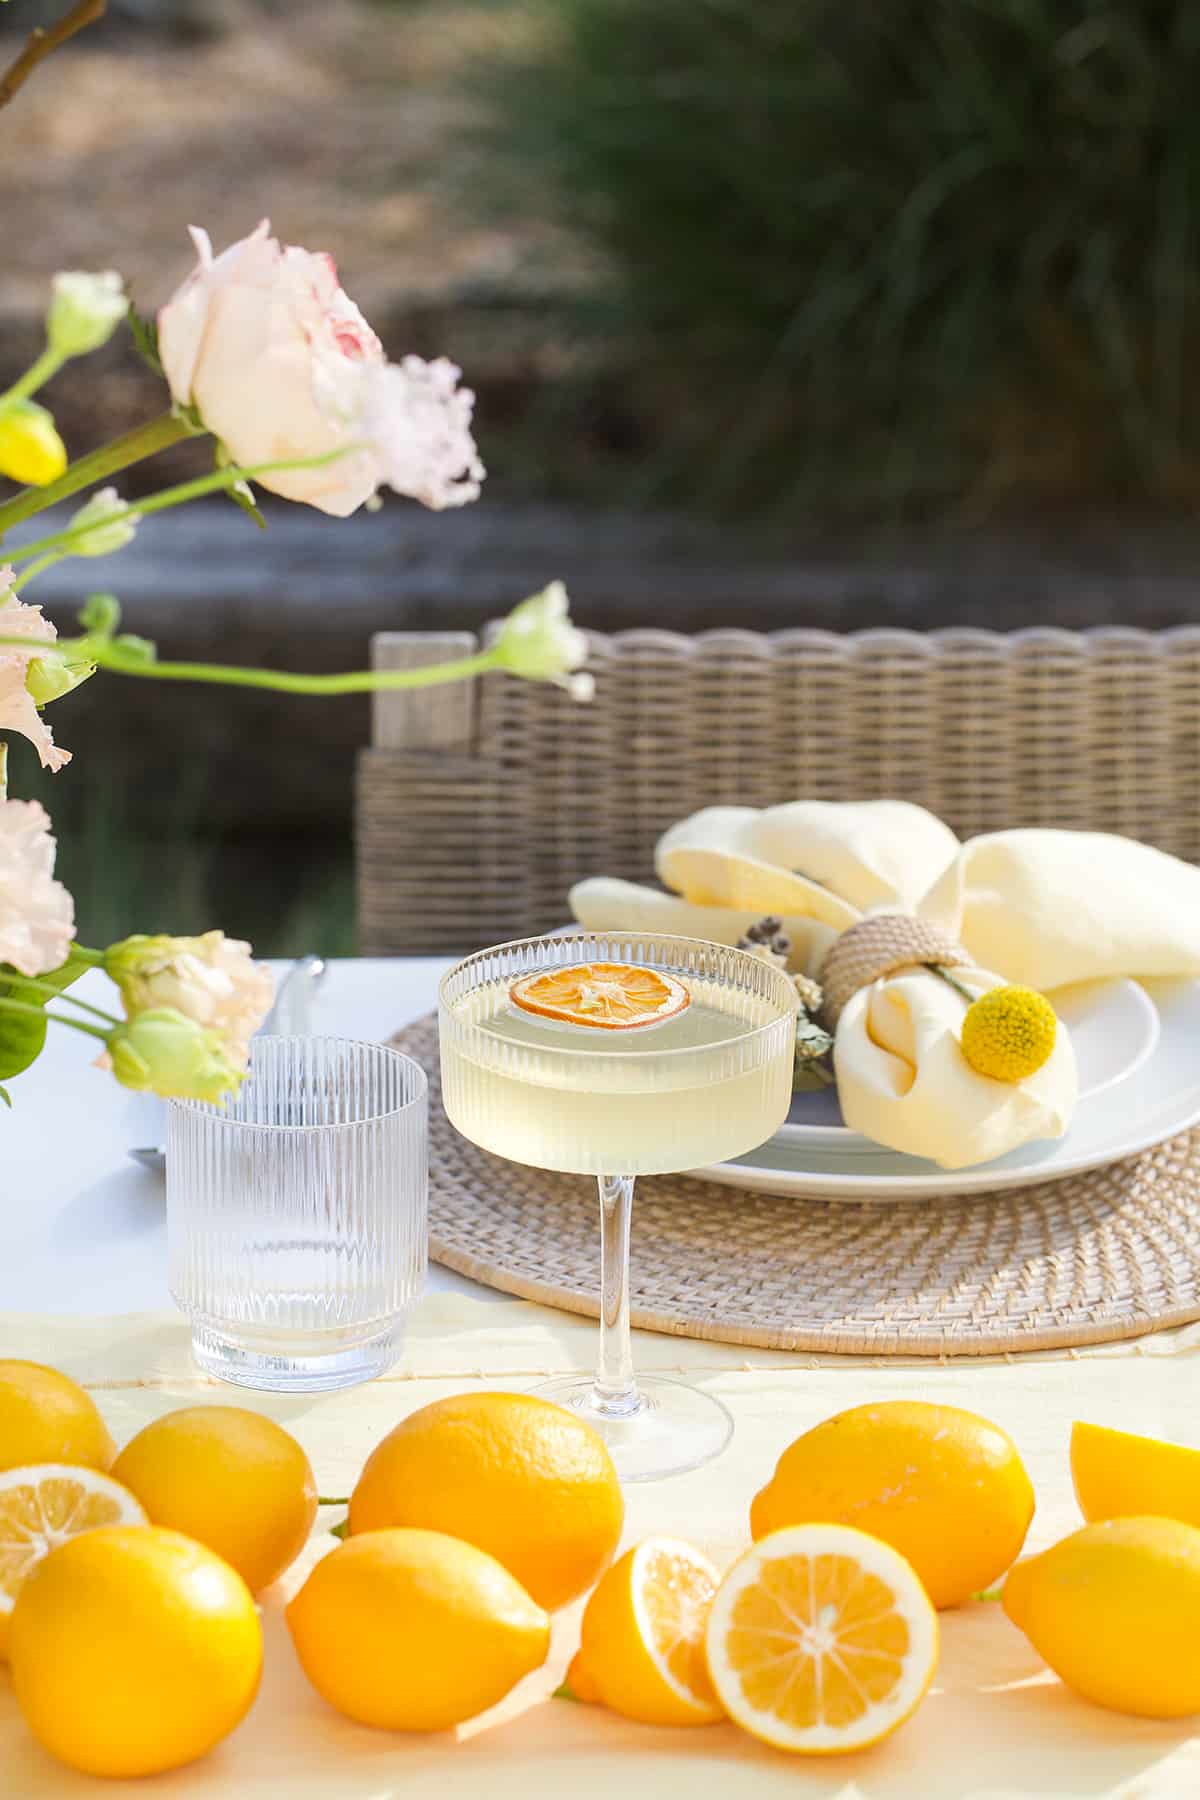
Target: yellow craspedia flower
<point>31,450</point>
<point>1009,1033</point>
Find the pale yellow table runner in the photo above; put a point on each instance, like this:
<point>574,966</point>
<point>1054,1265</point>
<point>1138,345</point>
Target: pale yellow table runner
<point>995,1727</point>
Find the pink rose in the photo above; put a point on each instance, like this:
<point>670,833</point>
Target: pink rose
<point>37,914</point>
<point>17,709</point>
<point>280,365</point>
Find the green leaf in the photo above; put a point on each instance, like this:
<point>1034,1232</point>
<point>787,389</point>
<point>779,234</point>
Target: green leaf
<point>23,1035</point>
<point>564,1693</point>
<point>145,337</point>
<point>242,494</point>
<point>340,1531</point>
<point>6,1096</point>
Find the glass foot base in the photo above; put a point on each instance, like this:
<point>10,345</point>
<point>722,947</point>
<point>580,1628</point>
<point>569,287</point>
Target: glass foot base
<point>280,1371</point>
<point>674,1427</point>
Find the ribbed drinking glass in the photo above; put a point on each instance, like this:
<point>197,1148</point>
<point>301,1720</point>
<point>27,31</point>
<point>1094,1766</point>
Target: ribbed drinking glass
<point>706,1084</point>
<point>296,1214</point>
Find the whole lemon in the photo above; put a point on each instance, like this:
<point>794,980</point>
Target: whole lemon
<point>46,1417</point>
<point>944,1487</point>
<point>229,1478</point>
<point>519,1477</point>
<point>133,1650</point>
<point>1118,1474</point>
<point>414,1631</point>
<point>1115,1611</point>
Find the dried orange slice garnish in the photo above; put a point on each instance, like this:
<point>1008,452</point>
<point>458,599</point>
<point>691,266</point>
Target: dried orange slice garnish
<point>613,996</point>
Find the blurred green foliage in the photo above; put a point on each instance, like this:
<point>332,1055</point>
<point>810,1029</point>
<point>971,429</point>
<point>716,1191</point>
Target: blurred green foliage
<point>132,868</point>
<point>929,251</point>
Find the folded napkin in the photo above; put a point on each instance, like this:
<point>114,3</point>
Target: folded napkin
<point>817,864</point>
<point>904,1081</point>
<point>1045,908</point>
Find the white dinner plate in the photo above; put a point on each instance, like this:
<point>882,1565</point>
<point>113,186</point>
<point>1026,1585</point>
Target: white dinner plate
<point>1138,1048</point>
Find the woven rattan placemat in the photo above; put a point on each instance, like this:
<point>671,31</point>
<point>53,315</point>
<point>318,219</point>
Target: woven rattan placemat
<point>1105,1255</point>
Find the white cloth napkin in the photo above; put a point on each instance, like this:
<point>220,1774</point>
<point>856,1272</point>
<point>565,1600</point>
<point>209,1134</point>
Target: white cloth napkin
<point>903,1080</point>
<point>817,864</point>
<point>1050,907</point>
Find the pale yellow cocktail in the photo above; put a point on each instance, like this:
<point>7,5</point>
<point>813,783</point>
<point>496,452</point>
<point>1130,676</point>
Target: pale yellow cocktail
<point>599,1092</point>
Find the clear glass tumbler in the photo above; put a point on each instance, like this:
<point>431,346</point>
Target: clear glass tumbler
<point>707,1085</point>
<point>296,1214</point>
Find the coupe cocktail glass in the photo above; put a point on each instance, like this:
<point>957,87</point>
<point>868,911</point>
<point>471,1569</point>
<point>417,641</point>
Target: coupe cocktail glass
<point>697,1088</point>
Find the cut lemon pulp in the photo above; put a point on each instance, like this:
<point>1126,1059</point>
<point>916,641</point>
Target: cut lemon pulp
<point>44,1505</point>
<point>613,996</point>
<point>642,1649</point>
<point>821,1639</point>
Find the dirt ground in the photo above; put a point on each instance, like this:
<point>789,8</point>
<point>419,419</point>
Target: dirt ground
<point>337,120</point>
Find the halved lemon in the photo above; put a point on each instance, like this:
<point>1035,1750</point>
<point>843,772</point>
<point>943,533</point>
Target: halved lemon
<point>642,1648</point>
<point>1118,1474</point>
<point>44,1505</point>
<point>821,1640</point>
<point>613,996</point>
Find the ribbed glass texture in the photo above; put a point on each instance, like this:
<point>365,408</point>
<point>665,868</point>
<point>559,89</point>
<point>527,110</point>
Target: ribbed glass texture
<point>696,1090</point>
<point>296,1213</point>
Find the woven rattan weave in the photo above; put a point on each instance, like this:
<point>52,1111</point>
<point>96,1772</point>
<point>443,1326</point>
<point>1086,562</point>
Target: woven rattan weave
<point>478,839</point>
<point>1100,1256</point>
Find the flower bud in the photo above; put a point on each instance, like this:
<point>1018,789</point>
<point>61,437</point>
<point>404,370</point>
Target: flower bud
<point>162,1052</point>
<point>209,979</point>
<point>538,641</point>
<point>31,450</point>
<point>110,525</point>
<point>85,310</point>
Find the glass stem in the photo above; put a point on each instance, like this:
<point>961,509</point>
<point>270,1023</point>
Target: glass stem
<point>615,1390</point>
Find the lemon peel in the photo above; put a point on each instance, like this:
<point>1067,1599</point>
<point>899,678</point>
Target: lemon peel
<point>1009,1033</point>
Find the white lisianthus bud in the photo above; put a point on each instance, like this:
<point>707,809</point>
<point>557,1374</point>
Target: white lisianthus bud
<point>538,641</point>
<point>210,979</point>
<point>85,310</point>
<point>109,522</point>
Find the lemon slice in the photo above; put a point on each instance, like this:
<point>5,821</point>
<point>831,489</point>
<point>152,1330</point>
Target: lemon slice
<point>44,1505</point>
<point>611,996</point>
<point>821,1640</point>
<point>642,1649</point>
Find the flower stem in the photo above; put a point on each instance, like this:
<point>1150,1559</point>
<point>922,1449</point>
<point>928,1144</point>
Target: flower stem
<point>40,1012</point>
<point>36,375</point>
<point>952,981</point>
<point>225,478</point>
<point>53,993</point>
<point>43,42</point>
<point>133,446</point>
<point>358,681</point>
<point>3,769</point>
<point>39,567</point>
